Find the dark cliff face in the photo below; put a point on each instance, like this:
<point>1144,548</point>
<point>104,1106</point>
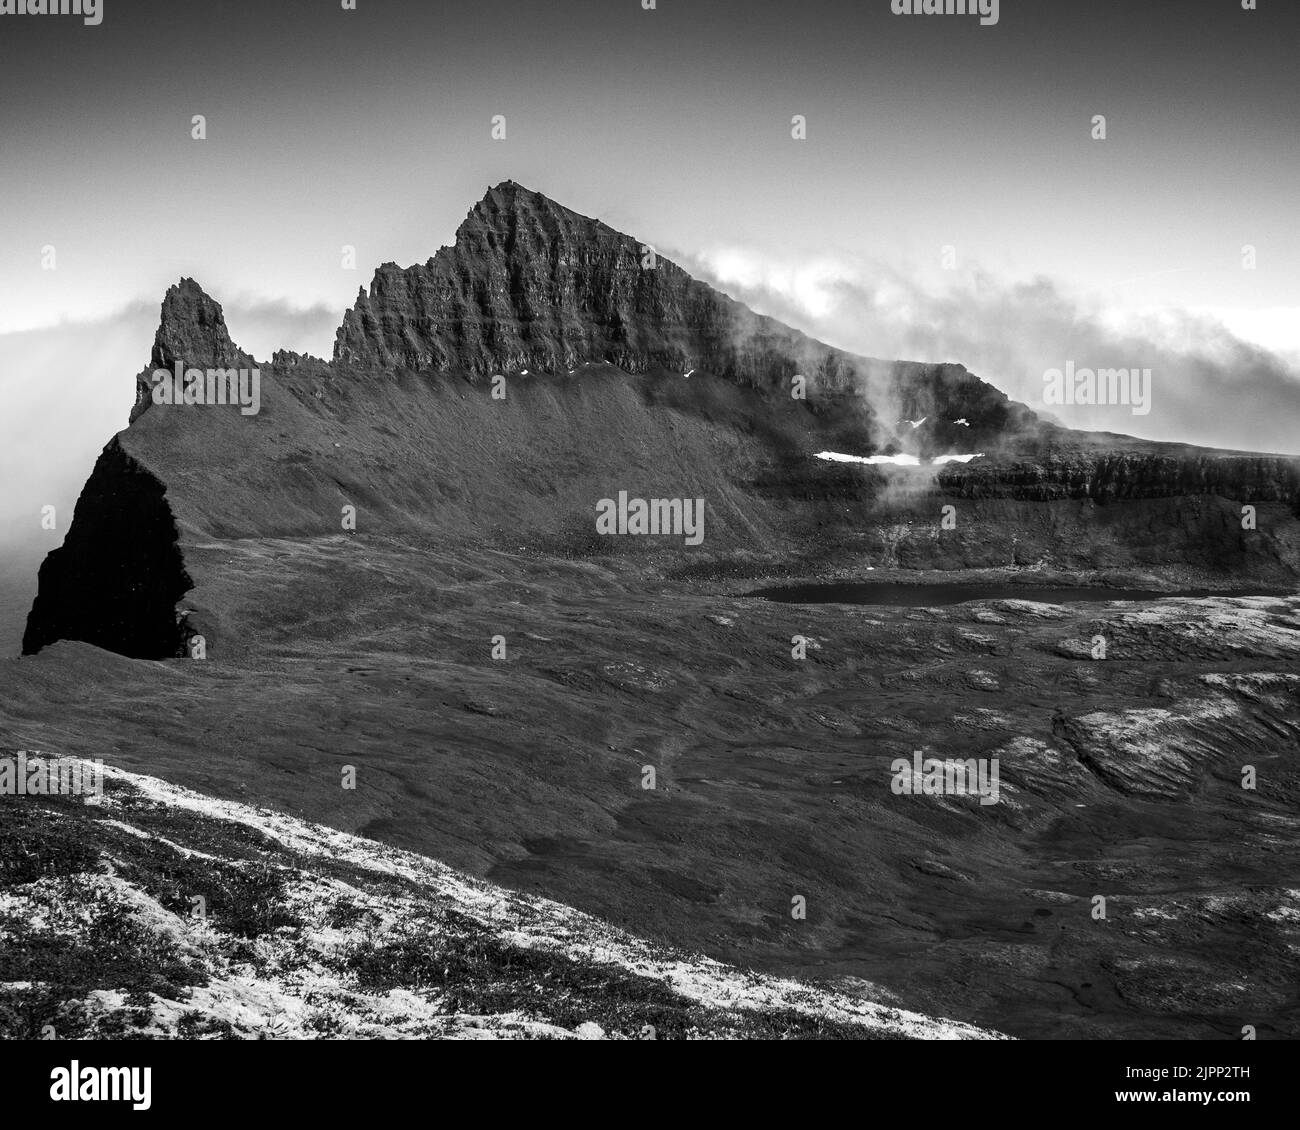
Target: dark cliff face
<point>117,577</point>
<point>1115,476</point>
<point>531,285</point>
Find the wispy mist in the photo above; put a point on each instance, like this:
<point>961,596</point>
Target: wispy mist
<point>1208,385</point>
<point>68,389</point>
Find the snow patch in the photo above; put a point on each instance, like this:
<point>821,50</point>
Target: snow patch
<point>895,460</point>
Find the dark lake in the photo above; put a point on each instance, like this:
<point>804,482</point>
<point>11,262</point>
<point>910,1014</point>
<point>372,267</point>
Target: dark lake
<point>929,596</point>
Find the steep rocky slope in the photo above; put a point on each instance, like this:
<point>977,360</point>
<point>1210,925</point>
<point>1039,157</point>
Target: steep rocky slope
<point>116,580</point>
<point>530,284</point>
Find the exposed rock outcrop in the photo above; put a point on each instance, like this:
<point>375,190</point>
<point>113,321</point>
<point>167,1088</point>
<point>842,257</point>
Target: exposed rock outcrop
<point>1106,476</point>
<point>116,579</point>
<point>529,284</point>
<point>191,333</point>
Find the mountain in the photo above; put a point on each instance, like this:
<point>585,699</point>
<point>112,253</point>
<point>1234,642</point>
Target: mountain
<point>393,570</point>
<point>403,425</point>
<point>529,284</point>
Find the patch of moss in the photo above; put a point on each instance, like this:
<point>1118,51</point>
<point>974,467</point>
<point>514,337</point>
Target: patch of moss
<point>107,949</point>
<point>41,838</point>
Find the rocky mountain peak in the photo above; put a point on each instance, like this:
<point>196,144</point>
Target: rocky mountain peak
<point>192,330</point>
<point>509,195</point>
<point>516,222</point>
<point>192,333</point>
<point>531,284</point>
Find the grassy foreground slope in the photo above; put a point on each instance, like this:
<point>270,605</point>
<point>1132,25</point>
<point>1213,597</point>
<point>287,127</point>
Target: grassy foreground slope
<point>156,912</point>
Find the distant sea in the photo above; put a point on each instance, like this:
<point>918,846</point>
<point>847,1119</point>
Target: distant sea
<point>17,591</point>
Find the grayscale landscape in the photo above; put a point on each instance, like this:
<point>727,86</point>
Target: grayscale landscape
<point>670,625</point>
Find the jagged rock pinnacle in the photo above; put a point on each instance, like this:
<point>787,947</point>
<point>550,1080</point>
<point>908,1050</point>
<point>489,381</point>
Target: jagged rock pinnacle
<point>191,332</point>
<point>192,329</point>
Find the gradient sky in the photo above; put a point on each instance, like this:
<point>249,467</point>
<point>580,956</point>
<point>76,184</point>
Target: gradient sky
<point>372,128</point>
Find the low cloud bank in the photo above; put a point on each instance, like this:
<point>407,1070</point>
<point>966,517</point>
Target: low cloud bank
<point>68,389</point>
<point>1207,384</point>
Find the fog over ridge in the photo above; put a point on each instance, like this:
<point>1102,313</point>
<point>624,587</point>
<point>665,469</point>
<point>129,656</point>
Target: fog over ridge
<point>1209,386</point>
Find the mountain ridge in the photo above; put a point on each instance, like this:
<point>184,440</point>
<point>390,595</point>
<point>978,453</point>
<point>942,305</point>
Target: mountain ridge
<point>530,284</point>
<point>609,373</point>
